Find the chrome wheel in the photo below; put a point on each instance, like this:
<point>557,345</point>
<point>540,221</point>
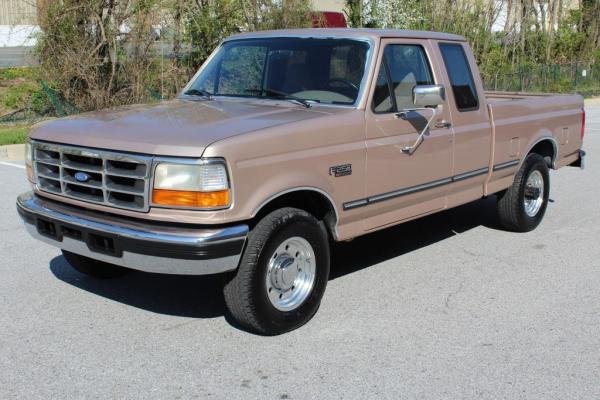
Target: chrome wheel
<point>291,274</point>
<point>534,193</point>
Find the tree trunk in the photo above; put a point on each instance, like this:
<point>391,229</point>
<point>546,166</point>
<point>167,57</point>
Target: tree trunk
<point>42,10</point>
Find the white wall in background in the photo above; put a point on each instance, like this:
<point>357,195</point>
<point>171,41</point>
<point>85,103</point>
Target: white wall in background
<point>18,35</point>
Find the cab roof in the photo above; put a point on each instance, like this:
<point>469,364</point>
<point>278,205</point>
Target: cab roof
<point>350,33</point>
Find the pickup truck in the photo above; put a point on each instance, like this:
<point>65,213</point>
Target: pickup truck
<point>283,143</point>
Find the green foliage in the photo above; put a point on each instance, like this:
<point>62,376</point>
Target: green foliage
<point>9,74</point>
<point>521,56</point>
<point>40,102</point>
<point>354,13</point>
<point>208,25</point>
<point>19,95</point>
<point>19,89</point>
<point>211,22</point>
<point>13,134</point>
<point>100,53</point>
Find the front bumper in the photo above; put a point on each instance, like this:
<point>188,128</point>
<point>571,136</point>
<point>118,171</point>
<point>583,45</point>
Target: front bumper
<point>145,246</point>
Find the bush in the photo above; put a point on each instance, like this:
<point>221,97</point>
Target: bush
<point>100,54</point>
<point>40,103</point>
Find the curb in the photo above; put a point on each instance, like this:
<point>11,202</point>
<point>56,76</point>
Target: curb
<point>12,152</point>
<point>594,101</point>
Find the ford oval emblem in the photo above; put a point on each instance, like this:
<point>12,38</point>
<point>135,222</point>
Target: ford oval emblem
<point>82,177</point>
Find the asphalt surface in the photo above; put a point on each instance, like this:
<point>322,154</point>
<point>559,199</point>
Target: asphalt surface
<point>447,307</point>
<point>16,56</point>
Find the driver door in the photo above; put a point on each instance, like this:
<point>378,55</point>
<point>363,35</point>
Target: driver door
<point>400,185</point>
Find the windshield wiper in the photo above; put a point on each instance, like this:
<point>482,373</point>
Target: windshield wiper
<point>199,92</point>
<point>286,96</point>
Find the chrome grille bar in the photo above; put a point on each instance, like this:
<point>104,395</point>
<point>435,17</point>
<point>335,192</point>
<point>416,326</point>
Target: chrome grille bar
<point>120,180</point>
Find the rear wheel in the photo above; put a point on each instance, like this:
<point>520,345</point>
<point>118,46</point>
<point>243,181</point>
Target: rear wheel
<point>95,268</point>
<point>522,206</point>
<point>282,275</point>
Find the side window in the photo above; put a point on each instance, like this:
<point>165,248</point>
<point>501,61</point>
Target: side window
<point>407,67</point>
<point>461,77</point>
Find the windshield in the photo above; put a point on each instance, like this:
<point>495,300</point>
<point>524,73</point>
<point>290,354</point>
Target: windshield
<point>308,69</point>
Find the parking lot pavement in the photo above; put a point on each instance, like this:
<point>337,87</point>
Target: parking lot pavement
<point>16,56</point>
<point>446,307</point>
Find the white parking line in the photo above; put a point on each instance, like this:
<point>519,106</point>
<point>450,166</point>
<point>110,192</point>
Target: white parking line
<point>12,165</point>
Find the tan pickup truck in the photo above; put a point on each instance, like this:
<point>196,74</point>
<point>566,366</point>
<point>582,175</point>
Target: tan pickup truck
<point>283,143</point>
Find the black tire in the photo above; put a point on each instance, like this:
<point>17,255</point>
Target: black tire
<point>245,291</point>
<point>511,202</point>
<point>94,268</point>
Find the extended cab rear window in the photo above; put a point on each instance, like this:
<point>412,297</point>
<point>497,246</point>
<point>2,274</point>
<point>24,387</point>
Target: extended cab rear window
<point>461,78</point>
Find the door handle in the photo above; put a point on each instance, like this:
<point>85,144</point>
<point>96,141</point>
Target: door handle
<point>443,124</point>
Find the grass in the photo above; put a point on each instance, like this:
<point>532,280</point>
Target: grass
<point>13,134</point>
<point>7,74</point>
<point>18,89</point>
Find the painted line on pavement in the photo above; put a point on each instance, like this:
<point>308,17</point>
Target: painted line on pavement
<point>12,165</point>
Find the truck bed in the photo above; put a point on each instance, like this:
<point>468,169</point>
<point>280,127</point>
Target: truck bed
<point>516,116</point>
<point>498,96</point>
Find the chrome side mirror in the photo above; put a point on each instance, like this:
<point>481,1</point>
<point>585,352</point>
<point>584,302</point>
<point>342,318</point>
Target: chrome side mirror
<point>429,95</point>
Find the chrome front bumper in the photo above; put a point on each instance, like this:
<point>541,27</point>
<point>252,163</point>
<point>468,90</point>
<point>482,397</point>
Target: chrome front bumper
<point>145,246</point>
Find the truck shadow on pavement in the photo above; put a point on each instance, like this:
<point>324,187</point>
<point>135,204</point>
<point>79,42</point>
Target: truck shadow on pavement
<point>362,252</point>
<point>201,296</point>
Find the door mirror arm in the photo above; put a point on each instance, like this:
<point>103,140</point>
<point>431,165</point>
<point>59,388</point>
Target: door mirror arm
<point>404,114</point>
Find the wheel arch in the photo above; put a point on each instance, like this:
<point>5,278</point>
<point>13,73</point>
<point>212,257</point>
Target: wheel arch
<point>311,199</point>
<point>546,146</point>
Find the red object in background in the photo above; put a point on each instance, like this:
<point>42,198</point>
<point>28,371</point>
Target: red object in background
<point>582,123</point>
<point>329,19</point>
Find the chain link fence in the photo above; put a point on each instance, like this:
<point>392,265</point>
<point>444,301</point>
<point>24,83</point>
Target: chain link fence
<point>580,78</point>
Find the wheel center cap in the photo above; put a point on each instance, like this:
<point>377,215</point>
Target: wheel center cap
<point>284,273</point>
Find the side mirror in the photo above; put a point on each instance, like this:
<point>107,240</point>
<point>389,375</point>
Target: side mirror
<point>429,95</point>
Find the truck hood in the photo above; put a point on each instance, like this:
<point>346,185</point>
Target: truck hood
<point>174,128</point>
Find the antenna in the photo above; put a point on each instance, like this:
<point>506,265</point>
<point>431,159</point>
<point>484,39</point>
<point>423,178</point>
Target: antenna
<point>162,54</point>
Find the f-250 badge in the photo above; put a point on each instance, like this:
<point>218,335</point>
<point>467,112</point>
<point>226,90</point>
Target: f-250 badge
<point>340,170</point>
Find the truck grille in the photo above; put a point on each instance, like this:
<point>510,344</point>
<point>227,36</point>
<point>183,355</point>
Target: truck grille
<point>114,179</point>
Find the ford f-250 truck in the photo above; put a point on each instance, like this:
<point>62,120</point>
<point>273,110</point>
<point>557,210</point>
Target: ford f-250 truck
<point>283,143</point>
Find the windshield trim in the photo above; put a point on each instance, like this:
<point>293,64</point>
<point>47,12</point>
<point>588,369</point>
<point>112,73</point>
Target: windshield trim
<point>363,82</point>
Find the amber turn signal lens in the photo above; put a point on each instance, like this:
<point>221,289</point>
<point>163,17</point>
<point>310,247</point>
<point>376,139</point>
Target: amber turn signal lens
<point>29,171</point>
<point>185,198</point>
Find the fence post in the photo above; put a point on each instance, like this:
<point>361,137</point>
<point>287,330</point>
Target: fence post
<point>520,79</point>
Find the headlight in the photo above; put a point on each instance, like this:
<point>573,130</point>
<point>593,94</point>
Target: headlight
<point>191,185</point>
<point>29,160</point>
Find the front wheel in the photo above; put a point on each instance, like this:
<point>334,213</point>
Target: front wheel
<point>282,275</point>
<point>522,206</point>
